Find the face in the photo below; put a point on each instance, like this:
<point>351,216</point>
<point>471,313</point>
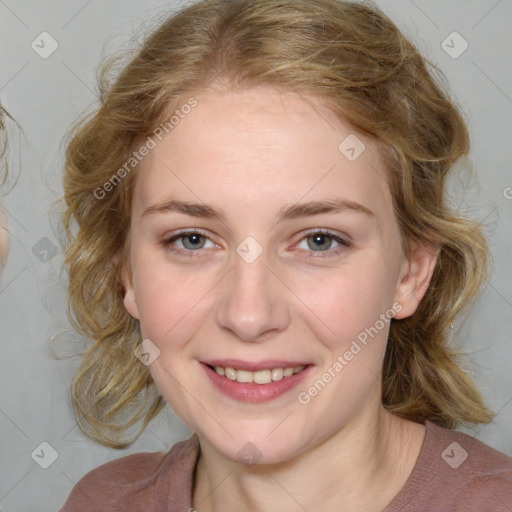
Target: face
<point>259,245</point>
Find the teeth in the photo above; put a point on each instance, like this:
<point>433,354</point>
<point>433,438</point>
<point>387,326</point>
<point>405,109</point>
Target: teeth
<point>262,377</point>
<point>258,377</point>
<point>277,374</point>
<point>243,376</point>
<point>230,373</point>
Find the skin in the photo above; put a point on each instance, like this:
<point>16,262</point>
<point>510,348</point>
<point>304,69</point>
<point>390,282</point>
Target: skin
<point>4,239</point>
<point>250,154</point>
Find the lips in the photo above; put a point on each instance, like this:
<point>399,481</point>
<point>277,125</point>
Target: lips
<point>255,382</point>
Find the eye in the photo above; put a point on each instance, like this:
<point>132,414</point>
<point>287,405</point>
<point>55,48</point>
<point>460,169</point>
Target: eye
<point>320,241</point>
<point>190,241</point>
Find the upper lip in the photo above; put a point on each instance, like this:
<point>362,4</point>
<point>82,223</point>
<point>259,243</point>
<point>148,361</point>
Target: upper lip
<point>254,365</point>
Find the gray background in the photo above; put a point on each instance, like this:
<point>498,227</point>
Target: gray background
<point>46,96</point>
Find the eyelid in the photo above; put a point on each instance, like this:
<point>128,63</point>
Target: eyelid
<point>186,231</point>
<point>325,231</point>
<point>167,240</point>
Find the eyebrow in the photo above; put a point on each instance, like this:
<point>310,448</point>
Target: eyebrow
<point>334,205</point>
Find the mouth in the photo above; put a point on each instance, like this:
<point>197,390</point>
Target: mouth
<point>248,382</point>
<point>265,376</point>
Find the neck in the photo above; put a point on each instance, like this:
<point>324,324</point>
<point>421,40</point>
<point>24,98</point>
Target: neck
<point>359,468</point>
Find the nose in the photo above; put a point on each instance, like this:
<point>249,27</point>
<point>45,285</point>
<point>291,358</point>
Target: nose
<point>254,301</point>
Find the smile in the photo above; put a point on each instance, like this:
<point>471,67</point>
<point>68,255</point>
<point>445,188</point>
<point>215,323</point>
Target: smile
<point>255,383</point>
<point>257,377</point>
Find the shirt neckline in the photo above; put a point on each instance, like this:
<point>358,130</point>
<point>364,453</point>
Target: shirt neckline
<point>189,451</point>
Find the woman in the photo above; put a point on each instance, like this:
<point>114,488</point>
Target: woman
<point>263,244</point>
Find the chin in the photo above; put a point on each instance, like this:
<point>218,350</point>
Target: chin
<point>257,448</point>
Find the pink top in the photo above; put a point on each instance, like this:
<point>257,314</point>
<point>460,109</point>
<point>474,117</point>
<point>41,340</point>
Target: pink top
<point>454,472</point>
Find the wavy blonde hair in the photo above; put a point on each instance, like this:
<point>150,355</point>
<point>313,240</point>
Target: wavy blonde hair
<point>353,59</point>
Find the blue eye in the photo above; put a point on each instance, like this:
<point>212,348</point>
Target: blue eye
<point>192,241</point>
<point>321,242</point>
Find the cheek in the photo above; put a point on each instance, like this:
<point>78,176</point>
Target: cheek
<point>169,303</point>
<point>347,302</point>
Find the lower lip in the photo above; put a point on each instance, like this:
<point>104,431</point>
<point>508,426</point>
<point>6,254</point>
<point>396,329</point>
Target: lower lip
<point>254,393</point>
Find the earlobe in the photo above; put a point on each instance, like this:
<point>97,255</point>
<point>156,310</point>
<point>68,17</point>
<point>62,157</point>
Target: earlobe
<point>130,302</point>
<point>415,279</point>
<point>125,279</point>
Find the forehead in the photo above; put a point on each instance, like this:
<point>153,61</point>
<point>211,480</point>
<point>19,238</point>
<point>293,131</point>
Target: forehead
<point>261,144</point>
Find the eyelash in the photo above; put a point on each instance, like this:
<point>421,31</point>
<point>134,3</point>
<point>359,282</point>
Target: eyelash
<point>344,244</point>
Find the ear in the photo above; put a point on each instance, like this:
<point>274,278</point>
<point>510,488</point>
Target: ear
<point>125,279</point>
<point>415,277</point>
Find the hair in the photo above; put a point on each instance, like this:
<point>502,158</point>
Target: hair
<point>3,144</point>
<point>4,247</point>
<point>352,59</point>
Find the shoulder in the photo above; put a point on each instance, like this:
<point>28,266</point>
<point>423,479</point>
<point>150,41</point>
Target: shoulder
<point>474,475</point>
<point>127,480</point>
<point>456,472</point>
<point>124,471</point>
<point>485,474</point>
<point>462,451</point>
